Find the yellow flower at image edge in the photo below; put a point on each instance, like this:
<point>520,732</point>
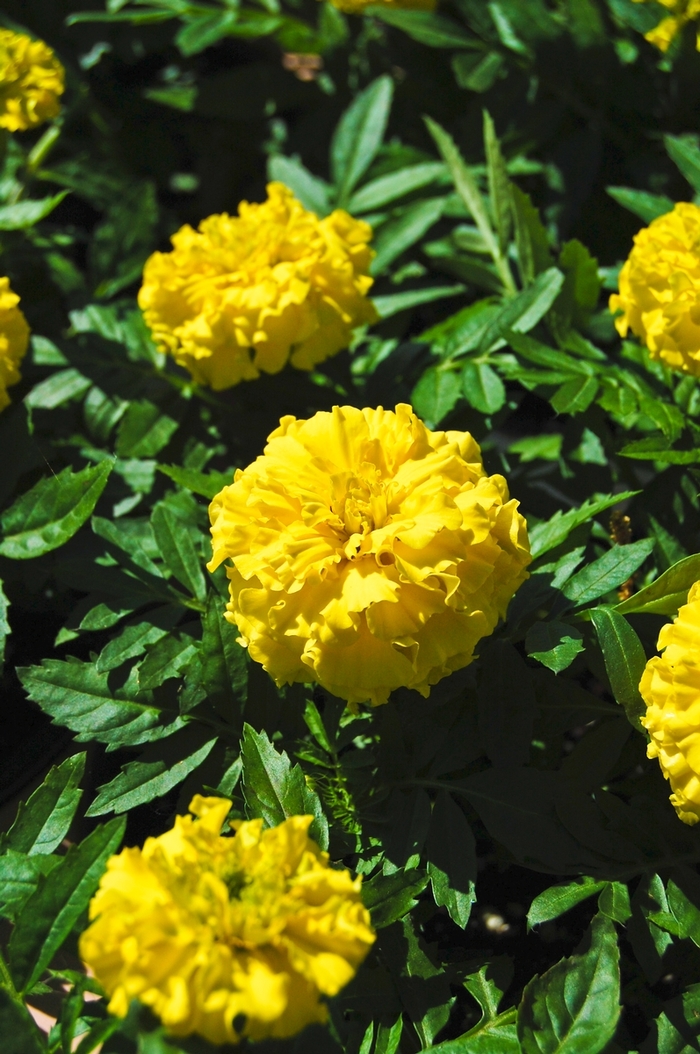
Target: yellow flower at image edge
<point>670,687</point>
<point>367,552</point>
<point>14,337</point>
<point>226,936</point>
<point>31,81</point>
<point>248,293</point>
<point>660,289</point>
<point>681,12</point>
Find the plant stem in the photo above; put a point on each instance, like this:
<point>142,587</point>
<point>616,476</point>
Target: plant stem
<point>6,980</point>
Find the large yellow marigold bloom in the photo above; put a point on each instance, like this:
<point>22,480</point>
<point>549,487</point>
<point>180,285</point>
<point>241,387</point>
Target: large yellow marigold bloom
<point>670,687</point>
<point>31,81</point>
<point>660,289</point>
<point>247,293</point>
<point>14,337</point>
<point>227,936</point>
<point>682,12</point>
<point>368,552</point>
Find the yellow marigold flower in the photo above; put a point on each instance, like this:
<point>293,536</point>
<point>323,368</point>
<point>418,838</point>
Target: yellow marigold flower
<point>660,289</point>
<point>356,7</point>
<point>31,80</point>
<point>226,936</point>
<point>670,687</point>
<point>14,337</point>
<point>244,294</point>
<point>368,552</point>
<point>682,12</point>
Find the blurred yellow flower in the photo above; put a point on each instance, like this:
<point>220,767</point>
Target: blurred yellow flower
<point>247,293</point>
<point>368,552</point>
<point>682,12</point>
<point>356,7</point>
<point>670,687</point>
<point>226,937</point>
<point>660,289</point>
<point>31,80</point>
<point>14,337</point>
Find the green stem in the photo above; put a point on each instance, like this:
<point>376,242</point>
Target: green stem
<point>6,980</point>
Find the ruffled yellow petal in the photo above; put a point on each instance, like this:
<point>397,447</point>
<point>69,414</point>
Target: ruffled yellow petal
<point>31,81</point>
<point>14,338</point>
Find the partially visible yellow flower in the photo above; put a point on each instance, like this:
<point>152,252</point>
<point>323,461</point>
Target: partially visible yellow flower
<point>227,937</point>
<point>660,289</point>
<point>670,687</point>
<point>31,81</point>
<point>356,7</point>
<point>14,337</point>
<point>682,12</point>
<point>368,553</point>
<point>247,293</point>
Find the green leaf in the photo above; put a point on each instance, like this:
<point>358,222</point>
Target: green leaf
<point>676,1030</point>
<point>201,32</point>
<point>208,484</point>
<point>554,644</point>
<point>655,448</point>
<point>482,387</point>
<point>684,151</point>
<point>499,184</point>
<point>573,1008</point>
<point>436,393</point>
<point>168,657</point>
<point>451,856</point>
<point>478,72</point>
<point>531,239</point>
<point>313,193</point>
<point>557,900</point>
<point>575,396</point>
<point>404,230</point>
<point>144,430</point>
<point>75,694</point>
<point>505,718</point>
<point>42,822</point>
<point>57,389</point>
<point>669,592</point>
<point>52,511</point>
<point>178,551</point>
<point>608,571</point>
<point>59,901</point>
<point>358,136</point>
<point>547,447</point>
<point>274,790</point>
<point>140,782</point>
<point>643,204</point>
<point>551,533</point>
<point>384,189</point>
<point>19,877</point>
<point>525,310</point>
<point>395,302</point>
<point>404,843</point>
<point>19,1033</point>
<point>579,294</point>
<point>435,31</point>
<point>614,901</point>
<point>390,897</point>
<point>27,213</point>
<point>5,629</point>
<point>624,660</point>
<point>224,661</point>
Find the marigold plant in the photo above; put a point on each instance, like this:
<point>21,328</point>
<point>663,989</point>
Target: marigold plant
<point>14,337</point>
<point>670,687</point>
<point>660,289</point>
<point>356,7</point>
<point>227,936</point>
<point>31,81</point>
<point>368,552</point>
<point>682,12</point>
<point>249,293</point>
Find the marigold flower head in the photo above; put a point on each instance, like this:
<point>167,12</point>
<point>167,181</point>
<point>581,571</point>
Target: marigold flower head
<point>368,553</point>
<point>670,687</point>
<point>226,937</point>
<point>14,337</point>
<point>31,81</point>
<point>249,292</point>
<point>682,12</point>
<point>660,289</point>
<point>356,7</point>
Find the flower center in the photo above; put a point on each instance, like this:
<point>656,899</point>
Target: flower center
<point>360,503</point>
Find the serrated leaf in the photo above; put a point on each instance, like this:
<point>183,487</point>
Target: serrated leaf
<point>358,135</point>
<point>554,644</point>
<point>482,387</point>
<point>59,900</point>
<point>42,822</point>
<point>168,657</point>
<point>499,184</point>
<point>624,659</point>
<point>224,661</point>
<point>614,901</point>
<point>573,1008</point>
<point>390,305</point>
<point>388,188</point>
<point>436,393</point>
<point>57,389</point>
<point>390,897</point>
<point>640,202</point>
<point>52,511</point>
<point>177,550</point>
<point>403,231</point>
<point>551,533</point>
<point>684,151</point>
<point>607,572</point>
<point>524,311</point>
<point>451,856</point>
<point>208,484</point>
<point>144,430</point>
<point>435,31</point>
<point>557,900</point>
<point>531,240</point>
<point>313,193</point>
<point>667,593</point>
<point>575,396</point>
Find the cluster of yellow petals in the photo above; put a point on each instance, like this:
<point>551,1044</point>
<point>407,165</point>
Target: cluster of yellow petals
<point>660,289</point>
<point>227,936</point>
<point>31,81</point>
<point>670,687</point>
<point>14,337</point>
<point>368,553</point>
<point>356,7</point>
<point>250,292</point>
<point>681,12</point>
